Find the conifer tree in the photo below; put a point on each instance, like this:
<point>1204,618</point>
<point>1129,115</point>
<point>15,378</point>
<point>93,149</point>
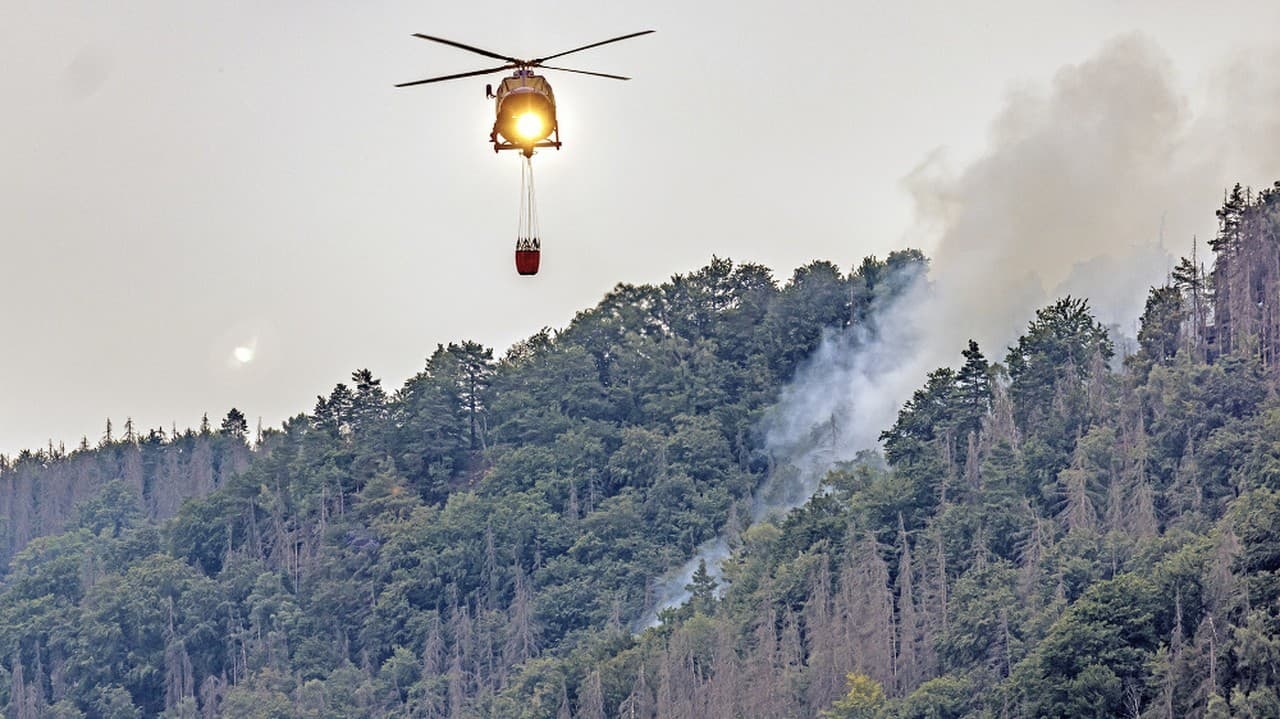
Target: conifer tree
<point>235,424</point>
<point>973,391</point>
<point>702,589</point>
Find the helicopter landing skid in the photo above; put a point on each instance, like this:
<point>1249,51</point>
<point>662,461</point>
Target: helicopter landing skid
<point>498,145</point>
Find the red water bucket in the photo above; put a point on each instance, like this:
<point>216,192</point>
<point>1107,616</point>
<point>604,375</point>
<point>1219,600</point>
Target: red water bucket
<point>527,261</point>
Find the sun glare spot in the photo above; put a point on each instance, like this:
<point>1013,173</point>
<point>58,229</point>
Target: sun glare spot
<point>529,125</point>
<point>243,355</point>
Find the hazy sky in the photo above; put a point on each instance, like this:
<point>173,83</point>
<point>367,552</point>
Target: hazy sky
<point>181,179</point>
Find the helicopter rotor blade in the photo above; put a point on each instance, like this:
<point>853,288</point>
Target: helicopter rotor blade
<point>473,73</point>
<point>584,72</point>
<point>588,47</point>
<point>461,46</point>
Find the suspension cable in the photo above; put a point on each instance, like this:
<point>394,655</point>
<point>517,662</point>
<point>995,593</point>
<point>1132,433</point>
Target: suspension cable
<point>527,233</point>
<point>528,236</point>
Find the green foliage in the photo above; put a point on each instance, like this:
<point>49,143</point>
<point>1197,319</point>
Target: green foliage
<point>863,699</point>
<point>1101,645</point>
<point>702,590</point>
<point>235,424</point>
<point>986,620</point>
<point>113,702</point>
<point>114,510</point>
<point>945,697</point>
<point>1048,367</point>
<point>1054,540</point>
<point>1160,335</point>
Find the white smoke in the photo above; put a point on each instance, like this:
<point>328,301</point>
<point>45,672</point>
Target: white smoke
<point>1083,180</point>
<point>835,402</point>
<point>841,398</point>
<point>669,591</point>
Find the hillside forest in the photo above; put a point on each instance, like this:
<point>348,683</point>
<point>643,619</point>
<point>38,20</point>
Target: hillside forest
<point>1048,529</point>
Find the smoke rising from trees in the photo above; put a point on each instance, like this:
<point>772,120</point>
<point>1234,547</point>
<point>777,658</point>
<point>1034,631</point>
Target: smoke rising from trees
<point>1092,185</point>
<point>1081,178</point>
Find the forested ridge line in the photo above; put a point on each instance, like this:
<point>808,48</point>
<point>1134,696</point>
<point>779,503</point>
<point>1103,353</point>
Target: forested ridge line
<point>1050,530</point>
<point>1064,533</point>
<point>496,512</point>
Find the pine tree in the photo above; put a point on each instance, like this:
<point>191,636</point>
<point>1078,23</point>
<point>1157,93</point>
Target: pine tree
<point>369,401</point>
<point>973,392</point>
<point>235,424</point>
<point>469,366</point>
<point>702,590</point>
<point>1160,336</point>
<point>1226,247</point>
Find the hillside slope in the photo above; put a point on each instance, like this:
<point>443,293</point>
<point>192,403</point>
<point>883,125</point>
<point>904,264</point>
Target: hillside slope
<point>1052,531</point>
<point>431,548</point>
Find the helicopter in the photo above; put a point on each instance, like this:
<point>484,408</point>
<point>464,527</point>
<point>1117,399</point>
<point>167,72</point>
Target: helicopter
<point>525,119</point>
<point>525,105</point>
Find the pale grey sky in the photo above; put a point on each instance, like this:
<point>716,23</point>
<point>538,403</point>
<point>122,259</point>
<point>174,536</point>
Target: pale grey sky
<point>180,179</point>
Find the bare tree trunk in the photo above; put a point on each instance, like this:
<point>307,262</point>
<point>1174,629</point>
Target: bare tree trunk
<point>864,607</point>
<point>591,701</point>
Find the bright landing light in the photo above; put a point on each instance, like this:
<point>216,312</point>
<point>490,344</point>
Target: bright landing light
<point>529,125</point>
<point>243,355</point>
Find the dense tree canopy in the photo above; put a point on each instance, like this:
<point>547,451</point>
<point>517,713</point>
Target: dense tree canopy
<point>1050,533</point>
<point>427,550</point>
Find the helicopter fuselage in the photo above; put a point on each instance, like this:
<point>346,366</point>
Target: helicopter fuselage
<point>525,107</point>
<point>525,114</point>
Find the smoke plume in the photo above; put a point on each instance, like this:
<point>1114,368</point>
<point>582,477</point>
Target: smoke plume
<point>1084,182</point>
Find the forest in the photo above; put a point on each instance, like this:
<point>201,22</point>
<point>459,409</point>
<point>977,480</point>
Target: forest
<point>1047,529</point>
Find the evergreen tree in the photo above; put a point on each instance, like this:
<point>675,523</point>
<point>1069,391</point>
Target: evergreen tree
<point>702,589</point>
<point>973,388</point>
<point>474,543</point>
<point>235,424</point>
